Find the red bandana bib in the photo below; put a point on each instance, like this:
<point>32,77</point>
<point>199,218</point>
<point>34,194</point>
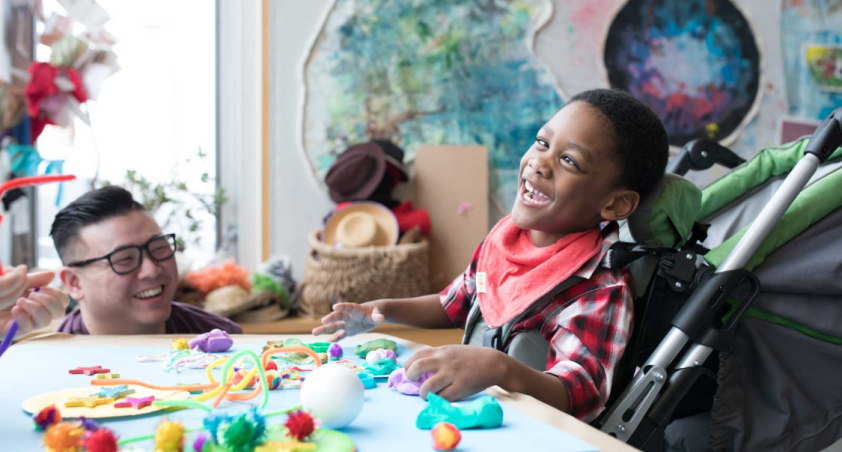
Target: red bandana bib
<point>512,273</point>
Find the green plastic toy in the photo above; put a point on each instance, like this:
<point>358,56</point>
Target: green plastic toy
<point>484,412</point>
<point>319,347</point>
<point>363,349</point>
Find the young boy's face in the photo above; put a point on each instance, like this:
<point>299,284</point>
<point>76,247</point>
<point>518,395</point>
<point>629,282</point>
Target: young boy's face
<point>568,176</point>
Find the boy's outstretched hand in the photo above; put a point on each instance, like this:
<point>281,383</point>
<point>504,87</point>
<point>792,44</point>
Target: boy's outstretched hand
<point>458,370</point>
<point>31,309</point>
<point>348,319</point>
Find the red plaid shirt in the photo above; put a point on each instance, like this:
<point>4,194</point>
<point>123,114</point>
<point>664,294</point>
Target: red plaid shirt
<point>587,325</point>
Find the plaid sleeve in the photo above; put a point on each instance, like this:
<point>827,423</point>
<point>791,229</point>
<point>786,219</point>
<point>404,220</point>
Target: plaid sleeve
<point>457,296</point>
<point>588,338</point>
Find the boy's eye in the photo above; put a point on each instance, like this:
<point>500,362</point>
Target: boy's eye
<point>569,160</point>
<point>541,142</point>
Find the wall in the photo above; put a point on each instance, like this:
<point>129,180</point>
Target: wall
<point>297,207</point>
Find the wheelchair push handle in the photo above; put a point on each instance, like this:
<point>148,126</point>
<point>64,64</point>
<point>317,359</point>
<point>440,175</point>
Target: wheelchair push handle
<point>827,137</point>
<point>701,154</point>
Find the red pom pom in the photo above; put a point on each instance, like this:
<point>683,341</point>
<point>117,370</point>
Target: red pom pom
<point>102,440</point>
<point>270,365</point>
<point>300,425</point>
<point>47,417</point>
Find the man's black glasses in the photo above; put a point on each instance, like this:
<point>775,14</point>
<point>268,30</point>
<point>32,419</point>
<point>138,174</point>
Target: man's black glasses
<point>129,258</point>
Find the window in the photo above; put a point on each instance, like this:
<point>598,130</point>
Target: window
<point>154,116</point>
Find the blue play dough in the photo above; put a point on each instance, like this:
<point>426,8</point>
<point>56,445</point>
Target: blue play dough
<point>367,379</point>
<point>386,422</point>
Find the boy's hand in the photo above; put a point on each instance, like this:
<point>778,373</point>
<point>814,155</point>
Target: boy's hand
<point>459,370</point>
<point>348,319</point>
<point>15,282</point>
<point>35,311</point>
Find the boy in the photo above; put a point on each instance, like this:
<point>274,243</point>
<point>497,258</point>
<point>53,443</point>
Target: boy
<point>590,164</point>
<point>121,269</point>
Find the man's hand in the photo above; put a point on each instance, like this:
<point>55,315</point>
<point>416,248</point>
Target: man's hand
<point>348,319</point>
<point>458,370</point>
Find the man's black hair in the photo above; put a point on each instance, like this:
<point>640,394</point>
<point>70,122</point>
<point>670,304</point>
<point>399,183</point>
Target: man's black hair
<point>641,147</point>
<point>91,208</point>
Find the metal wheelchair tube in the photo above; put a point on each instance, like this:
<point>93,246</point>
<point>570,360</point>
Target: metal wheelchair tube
<point>668,349</point>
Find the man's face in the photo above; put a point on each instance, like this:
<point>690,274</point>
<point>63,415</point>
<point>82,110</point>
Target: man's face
<point>137,302</point>
<point>567,176</point>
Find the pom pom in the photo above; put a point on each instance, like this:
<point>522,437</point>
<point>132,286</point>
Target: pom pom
<point>180,344</point>
<point>102,440</point>
<point>335,351</point>
<point>47,417</point>
<point>199,444</point>
<point>300,425</point>
<point>273,379</point>
<point>445,436</point>
<point>270,365</point>
<point>241,373</point>
<point>88,424</point>
<point>169,437</point>
<point>64,437</point>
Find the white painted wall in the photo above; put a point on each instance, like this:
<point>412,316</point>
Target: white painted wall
<point>297,206</point>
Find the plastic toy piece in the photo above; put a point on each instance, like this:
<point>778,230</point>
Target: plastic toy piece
<point>88,370</point>
<point>484,412</point>
<point>180,344</point>
<point>102,440</point>
<point>64,437</point>
<point>363,349</point>
<point>319,347</point>
<point>90,402</point>
<point>334,352</point>
<point>136,403</point>
<point>286,446</point>
<point>401,383</point>
<point>446,436</point>
<point>46,417</point>
<point>108,376</point>
<point>382,368</point>
<point>367,379</point>
<point>117,392</point>
<point>214,341</point>
<point>169,437</point>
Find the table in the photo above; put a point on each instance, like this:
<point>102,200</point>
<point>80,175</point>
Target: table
<point>545,418</point>
<point>304,325</point>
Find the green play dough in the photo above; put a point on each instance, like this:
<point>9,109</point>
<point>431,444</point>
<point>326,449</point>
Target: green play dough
<point>363,349</point>
<point>384,367</point>
<point>483,412</point>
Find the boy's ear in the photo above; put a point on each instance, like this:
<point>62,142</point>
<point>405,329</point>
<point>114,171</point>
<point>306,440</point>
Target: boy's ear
<point>622,204</point>
<point>72,283</point>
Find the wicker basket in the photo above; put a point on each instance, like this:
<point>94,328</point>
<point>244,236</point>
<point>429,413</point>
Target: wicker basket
<point>357,275</point>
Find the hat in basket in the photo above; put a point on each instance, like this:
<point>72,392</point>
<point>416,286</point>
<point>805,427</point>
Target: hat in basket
<point>362,224</point>
<point>359,171</point>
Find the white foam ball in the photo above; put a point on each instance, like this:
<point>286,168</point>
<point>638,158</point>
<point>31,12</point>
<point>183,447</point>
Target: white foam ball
<point>373,357</point>
<point>334,394</point>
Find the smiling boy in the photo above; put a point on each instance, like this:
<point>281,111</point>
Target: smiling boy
<point>588,168</point>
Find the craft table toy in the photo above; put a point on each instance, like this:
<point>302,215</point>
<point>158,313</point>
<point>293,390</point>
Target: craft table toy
<point>321,406</point>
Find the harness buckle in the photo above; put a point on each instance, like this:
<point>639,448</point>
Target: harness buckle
<point>493,337</point>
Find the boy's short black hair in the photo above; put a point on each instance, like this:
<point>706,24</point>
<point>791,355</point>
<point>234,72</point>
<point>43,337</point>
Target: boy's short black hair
<point>91,208</point>
<point>641,144</point>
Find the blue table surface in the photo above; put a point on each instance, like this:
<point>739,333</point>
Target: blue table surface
<point>386,423</point>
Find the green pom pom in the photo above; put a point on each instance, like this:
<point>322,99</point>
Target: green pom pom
<point>239,434</point>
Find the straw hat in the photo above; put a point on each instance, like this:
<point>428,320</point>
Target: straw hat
<point>362,224</point>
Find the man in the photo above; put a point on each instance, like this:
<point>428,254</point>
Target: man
<point>120,267</point>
